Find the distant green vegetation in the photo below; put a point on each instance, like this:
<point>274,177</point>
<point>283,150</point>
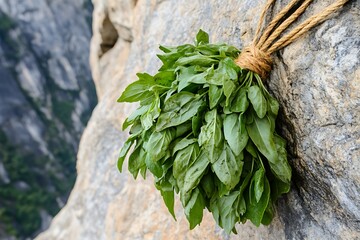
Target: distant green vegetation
<point>20,207</point>
<point>63,111</point>
<point>6,23</point>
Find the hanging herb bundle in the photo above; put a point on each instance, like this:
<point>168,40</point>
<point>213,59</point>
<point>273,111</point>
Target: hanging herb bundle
<point>205,129</point>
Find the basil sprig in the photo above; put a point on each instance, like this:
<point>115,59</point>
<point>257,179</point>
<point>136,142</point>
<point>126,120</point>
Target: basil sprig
<point>205,129</point>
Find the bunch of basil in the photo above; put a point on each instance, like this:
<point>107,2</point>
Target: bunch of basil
<point>205,128</point>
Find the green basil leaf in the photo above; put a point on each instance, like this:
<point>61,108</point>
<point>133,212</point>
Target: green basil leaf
<point>178,112</point>
<point>258,179</point>
<point>240,102</point>
<point>168,59</point>
<point>226,109</point>
<point>272,119</point>
<point>251,148</point>
<point>136,129</point>
<point>258,101</point>
<point>196,123</point>
<point>208,185</point>
<point>278,188</point>
<point>246,181</point>
<point>227,66</point>
<point>182,129</point>
<point>123,152</point>
<point>211,136</point>
<point>215,77</point>
<point>229,51</point>
<point>134,116</point>
<point>199,78</point>
<point>225,210</point>
<point>183,143</point>
<point>145,77</point>
<point>185,197</point>
<point>167,162</point>
<point>167,192</point>
<point>158,143</point>
<point>261,135</point>
<point>209,49</point>
<point>215,94</point>
<point>165,78</point>
<point>229,88</point>
<point>184,158</point>
<point>214,209</point>
<point>168,197</point>
<point>143,171</point>
<point>154,167</point>
<point>228,168</point>
<point>268,214</point>
<point>235,132</point>
<point>172,90</point>
<point>242,206</point>
<point>244,185</point>
<point>194,208</point>
<point>167,49</point>
<point>273,105</point>
<point>185,49</point>
<point>200,69</point>
<point>136,159</point>
<point>280,167</point>
<point>201,60</point>
<point>184,73</point>
<point>195,172</point>
<point>138,91</point>
<point>202,37</point>
<point>148,119</point>
<point>255,211</point>
<point>222,189</point>
<point>177,101</point>
<point>187,75</point>
<point>228,206</point>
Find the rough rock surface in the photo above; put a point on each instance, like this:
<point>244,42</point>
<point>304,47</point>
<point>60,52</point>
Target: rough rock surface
<point>46,97</point>
<point>316,79</point>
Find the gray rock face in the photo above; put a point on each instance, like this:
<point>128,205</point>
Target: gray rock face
<point>46,98</point>
<point>316,79</point>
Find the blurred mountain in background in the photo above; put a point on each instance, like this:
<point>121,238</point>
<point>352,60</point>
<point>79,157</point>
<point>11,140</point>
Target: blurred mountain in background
<point>46,99</point>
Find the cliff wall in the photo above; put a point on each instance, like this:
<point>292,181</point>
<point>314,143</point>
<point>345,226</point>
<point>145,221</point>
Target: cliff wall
<point>316,79</point>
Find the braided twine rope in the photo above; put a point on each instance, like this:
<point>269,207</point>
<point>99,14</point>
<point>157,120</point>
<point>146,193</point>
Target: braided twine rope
<point>257,56</point>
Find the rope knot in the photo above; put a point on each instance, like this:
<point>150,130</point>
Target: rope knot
<point>256,60</point>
